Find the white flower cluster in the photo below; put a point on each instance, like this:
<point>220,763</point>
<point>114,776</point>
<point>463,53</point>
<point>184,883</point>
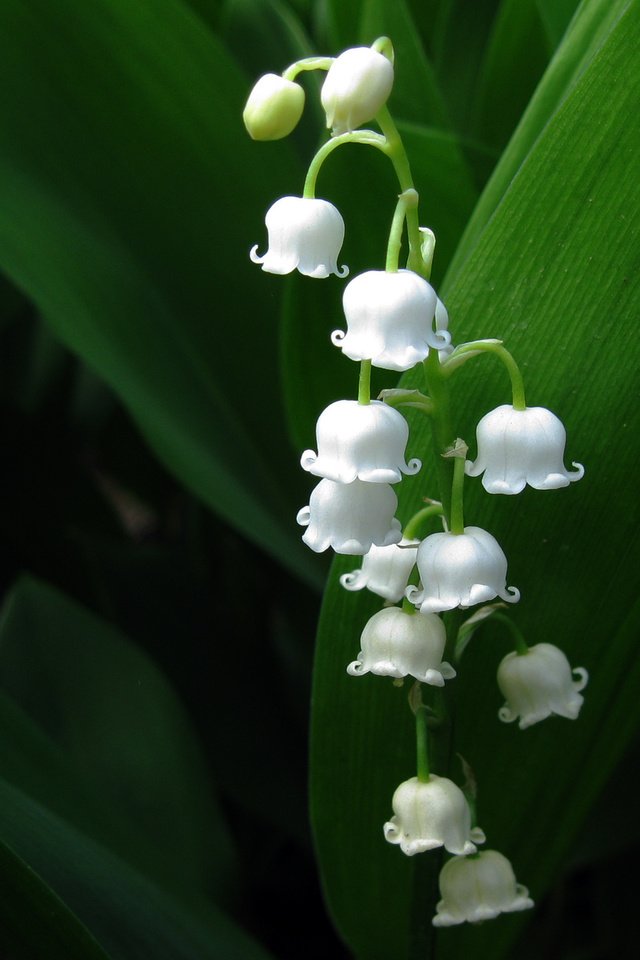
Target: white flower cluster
<point>394,320</point>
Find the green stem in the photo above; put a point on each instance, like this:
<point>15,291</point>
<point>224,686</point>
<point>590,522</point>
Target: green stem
<point>410,532</point>
<point>364,383</point>
<point>367,137</point>
<point>441,428</point>
<point>308,63</point>
<point>397,153</point>
<point>422,750</point>
<point>457,496</point>
<point>520,643</point>
<point>406,200</point>
<point>495,347</point>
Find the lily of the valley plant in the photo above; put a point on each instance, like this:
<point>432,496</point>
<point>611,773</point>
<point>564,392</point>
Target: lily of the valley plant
<point>394,321</point>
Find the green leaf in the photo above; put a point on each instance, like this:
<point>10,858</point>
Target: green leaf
<point>514,61</point>
<point>553,273</point>
<point>125,739</point>
<point>128,916</point>
<point>581,45</point>
<point>34,921</point>
<point>121,222</point>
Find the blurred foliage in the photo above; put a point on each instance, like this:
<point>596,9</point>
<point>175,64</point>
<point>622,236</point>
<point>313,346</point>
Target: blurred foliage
<point>158,609</point>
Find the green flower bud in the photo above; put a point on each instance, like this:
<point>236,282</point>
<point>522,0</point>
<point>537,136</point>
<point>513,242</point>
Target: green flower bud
<point>274,108</point>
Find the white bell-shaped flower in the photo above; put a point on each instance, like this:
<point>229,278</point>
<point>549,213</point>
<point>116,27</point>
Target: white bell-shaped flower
<point>357,85</point>
<point>399,644</point>
<point>540,683</point>
<point>350,517</point>
<point>385,570</point>
<point>429,815</point>
<point>364,441</point>
<point>274,108</point>
<point>304,234</point>
<point>478,888</point>
<point>460,570</point>
<point>389,319</point>
<point>516,447</point>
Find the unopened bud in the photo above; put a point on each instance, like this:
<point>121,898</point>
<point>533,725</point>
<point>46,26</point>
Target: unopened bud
<point>357,86</point>
<point>274,108</point>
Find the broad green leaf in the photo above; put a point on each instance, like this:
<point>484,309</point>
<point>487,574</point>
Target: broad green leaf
<point>554,273</point>
<point>588,32</point>
<point>461,29</point>
<point>514,61</point>
<point>34,921</point>
<point>555,16</point>
<point>120,219</point>
<point>123,734</point>
<point>127,915</point>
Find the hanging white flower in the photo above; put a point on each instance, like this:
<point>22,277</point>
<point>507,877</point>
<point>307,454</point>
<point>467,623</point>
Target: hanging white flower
<point>478,888</point>
<point>364,441</point>
<point>399,644</point>
<point>385,570</point>
<point>460,570</point>
<point>429,815</point>
<point>516,447</point>
<point>356,87</point>
<point>540,683</point>
<point>304,234</point>
<point>274,107</point>
<point>389,320</point>
<point>350,517</point>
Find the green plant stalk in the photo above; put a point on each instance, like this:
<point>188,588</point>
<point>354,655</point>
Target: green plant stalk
<point>521,645</point>
<point>457,496</point>
<point>488,346</point>
<point>441,428</point>
<point>410,532</point>
<point>398,156</point>
<point>368,137</point>
<point>422,745</point>
<point>364,382</point>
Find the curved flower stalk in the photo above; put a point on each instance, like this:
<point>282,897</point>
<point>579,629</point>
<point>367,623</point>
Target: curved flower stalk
<point>356,87</point>
<point>429,815</point>
<point>385,571</point>
<point>519,447</point>
<point>304,234</point>
<point>539,683</point>
<point>460,570</point>
<point>389,320</point>
<point>360,441</point>
<point>478,888</point>
<point>399,644</point>
<point>350,517</point>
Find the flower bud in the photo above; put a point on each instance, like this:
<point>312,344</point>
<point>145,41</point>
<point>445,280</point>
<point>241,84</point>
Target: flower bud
<point>357,85</point>
<point>274,108</point>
